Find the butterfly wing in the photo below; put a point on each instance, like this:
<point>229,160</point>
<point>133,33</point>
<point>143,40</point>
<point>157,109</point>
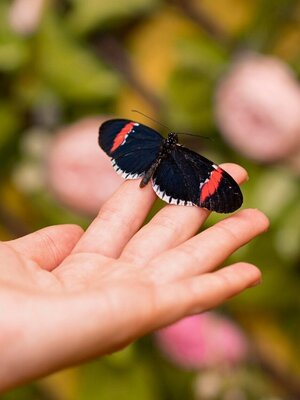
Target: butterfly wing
<point>133,147</point>
<point>187,178</point>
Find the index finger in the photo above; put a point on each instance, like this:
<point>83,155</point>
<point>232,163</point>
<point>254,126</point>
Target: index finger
<point>119,218</point>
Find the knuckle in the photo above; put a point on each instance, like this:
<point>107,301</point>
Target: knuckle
<point>188,251</point>
<point>226,232</point>
<point>52,247</point>
<point>167,223</point>
<point>113,216</point>
<point>107,213</point>
<point>130,254</point>
<point>222,281</point>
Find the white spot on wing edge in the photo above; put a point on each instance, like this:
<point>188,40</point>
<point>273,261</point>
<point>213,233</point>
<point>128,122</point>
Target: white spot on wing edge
<point>124,174</point>
<point>168,199</point>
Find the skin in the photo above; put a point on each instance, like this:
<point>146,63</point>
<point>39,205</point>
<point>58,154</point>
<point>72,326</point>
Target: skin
<point>67,296</point>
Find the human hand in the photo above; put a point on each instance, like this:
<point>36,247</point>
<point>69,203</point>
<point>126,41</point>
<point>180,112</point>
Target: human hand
<point>68,296</point>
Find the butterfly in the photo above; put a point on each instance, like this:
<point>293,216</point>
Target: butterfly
<point>178,175</point>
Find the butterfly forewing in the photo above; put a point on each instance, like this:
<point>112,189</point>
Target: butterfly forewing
<point>133,147</point>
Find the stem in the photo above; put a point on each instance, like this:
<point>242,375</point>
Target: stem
<point>203,20</point>
<point>115,55</point>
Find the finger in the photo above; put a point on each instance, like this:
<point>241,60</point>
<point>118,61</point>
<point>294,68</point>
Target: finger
<point>201,293</point>
<point>207,250</point>
<point>48,247</point>
<point>118,220</point>
<point>171,226</point>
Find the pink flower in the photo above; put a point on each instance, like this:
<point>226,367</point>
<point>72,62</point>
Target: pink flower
<point>205,340</point>
<point>258,108</point>
<point>79,172</point>
<point>25,15</point>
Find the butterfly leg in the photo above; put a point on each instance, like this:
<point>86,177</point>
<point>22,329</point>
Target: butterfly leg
<point>149,173</point>
<point>164,152</point>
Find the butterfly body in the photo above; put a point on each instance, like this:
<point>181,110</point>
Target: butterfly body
<point>166,149</point>
<point>178,175</point>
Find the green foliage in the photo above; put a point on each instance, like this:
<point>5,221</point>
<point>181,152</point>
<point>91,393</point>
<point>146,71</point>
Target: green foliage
<point>86,16</point>
<point>68,68</point>
<point>9,124</point>
<point>13,49</point>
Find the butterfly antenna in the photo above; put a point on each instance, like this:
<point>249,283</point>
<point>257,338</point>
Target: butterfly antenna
<point>191,134</point>
<point>152,119</point>
<point>165,126</point>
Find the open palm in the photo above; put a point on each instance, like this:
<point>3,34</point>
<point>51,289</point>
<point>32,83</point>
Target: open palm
<point>67,296</point>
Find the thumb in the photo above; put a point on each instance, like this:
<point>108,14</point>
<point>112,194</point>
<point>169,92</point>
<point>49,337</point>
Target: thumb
<point>49,246</point>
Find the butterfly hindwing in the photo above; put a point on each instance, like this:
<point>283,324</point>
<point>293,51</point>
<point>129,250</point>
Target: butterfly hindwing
<point>187,178</point>
<point>133,147</point>
<point>169,183</point>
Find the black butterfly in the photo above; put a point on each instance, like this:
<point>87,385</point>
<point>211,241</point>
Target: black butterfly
<point>178,174</point>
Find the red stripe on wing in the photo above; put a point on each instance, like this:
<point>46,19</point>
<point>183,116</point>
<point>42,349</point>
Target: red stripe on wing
<point>211,186</point>
<point>121,136</point>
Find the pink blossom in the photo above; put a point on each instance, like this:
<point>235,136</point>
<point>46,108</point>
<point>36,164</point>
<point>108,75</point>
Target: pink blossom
<point>258,108</point>
<point>25,15</point>
<point>79,173</point>
<point>205,340</point>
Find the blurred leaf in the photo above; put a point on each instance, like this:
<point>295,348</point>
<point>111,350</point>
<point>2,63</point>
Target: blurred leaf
<point>51,212</point>
<point>63,385</point>
<point>273,202</point>
<point>183,67</point>
<point>9,123</point>
<point>191,84</point>
<point>232,15</point>
<point>88,15</point>
<point>69,68</point>
<point>122,358</point>
<point>29,392</point>
<point>201,54</point>
<point>5,234</point>
<point>13,53</point>
<point>99,380</point>
<point>13,50</point>
<point>190,101</point>
<point>153,58</point>
<point>128,100</point>
<point>172,382</point>
<point>287,45</point>
<point>263,32</point>
<point>272,343</point>
<point>269,296</point>
<point>287,237</point>
<point>15,210</point>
